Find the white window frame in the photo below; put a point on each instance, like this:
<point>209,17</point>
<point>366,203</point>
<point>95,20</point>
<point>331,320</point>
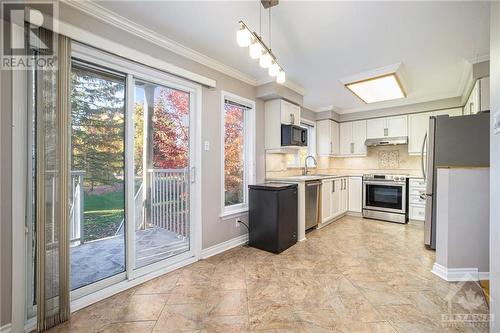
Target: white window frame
<point>311,145</point>
<point>249,167</point>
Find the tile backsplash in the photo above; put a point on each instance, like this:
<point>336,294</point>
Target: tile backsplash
<point>382,159</point>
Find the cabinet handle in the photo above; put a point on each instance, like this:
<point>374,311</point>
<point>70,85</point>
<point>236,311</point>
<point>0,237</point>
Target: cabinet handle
<point>333,186</point>
<point>386,131</point>
<point>292,118</point>
<point>472,107</point>
<point>352,147</point>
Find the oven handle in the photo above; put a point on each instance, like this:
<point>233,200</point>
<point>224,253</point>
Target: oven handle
<point>384,183</point>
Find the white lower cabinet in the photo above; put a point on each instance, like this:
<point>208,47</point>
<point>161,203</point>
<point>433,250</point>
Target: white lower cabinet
<point>334,198</point>
<point>355,190</point>
<point>416,203</point>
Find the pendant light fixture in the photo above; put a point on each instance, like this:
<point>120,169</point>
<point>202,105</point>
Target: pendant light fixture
<point>257,49</point>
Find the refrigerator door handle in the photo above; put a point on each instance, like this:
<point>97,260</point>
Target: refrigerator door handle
<point>422,155</point>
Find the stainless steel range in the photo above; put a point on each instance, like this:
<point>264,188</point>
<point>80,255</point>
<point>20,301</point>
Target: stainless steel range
<point>385,197</point>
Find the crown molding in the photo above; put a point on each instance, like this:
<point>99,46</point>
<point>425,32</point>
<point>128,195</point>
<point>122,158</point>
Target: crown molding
<point>480,58</point>
<point>288,83</point>
<point>104,14</point>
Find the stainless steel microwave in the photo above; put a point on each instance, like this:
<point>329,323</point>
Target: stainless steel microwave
<point>292,135</point>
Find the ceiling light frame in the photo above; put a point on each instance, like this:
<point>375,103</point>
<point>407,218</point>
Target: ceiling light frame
<point>393,74</point>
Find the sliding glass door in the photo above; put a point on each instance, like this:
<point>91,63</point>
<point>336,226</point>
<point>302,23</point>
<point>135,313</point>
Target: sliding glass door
<point>131,182</point>
<point>97,207</point>
<point>161,171</point>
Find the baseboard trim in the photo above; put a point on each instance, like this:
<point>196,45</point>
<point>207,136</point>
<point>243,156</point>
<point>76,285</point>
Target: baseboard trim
<point>7,328</point>
<point>224,246</point>
<point>356,214</point>
<point>459,274</point>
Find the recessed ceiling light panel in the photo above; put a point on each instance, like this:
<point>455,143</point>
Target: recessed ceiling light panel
<point>378,89</point>
<point>377,85</point>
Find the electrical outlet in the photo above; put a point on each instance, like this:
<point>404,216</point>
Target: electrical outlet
<point>206,145</point>
<point>237,222</point>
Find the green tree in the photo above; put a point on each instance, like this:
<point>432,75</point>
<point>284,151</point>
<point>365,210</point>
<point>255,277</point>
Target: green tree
<point>97,110</point>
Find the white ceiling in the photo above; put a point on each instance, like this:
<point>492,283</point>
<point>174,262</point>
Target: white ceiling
<point>319,43</point>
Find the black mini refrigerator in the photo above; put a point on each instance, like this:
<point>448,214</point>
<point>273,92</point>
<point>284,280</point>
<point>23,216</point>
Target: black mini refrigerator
<point>273,217</point>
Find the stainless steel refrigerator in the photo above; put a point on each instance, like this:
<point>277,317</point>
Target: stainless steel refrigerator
<point>462,141</point>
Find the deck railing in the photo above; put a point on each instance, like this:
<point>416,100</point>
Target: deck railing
<point>76,228</point>
<point>169,200</point>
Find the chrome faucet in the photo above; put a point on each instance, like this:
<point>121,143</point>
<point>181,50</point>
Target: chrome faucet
<point>305,171</point>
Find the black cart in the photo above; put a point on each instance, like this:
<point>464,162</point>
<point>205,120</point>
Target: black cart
<point>273,217</point>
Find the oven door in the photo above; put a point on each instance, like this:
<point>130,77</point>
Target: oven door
<point>384,196</point>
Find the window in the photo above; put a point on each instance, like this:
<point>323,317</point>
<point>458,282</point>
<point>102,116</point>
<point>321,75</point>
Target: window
<point>297,159</point>
<point>238,147</point>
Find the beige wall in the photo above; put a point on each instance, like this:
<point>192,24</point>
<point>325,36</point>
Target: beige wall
<point>495,166</point>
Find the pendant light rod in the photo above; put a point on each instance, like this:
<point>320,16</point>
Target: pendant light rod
<point>261,42</point>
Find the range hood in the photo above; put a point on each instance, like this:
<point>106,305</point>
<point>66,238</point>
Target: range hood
<point>397,140</point>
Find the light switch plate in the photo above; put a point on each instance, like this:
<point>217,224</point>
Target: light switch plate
<point>496,123</point>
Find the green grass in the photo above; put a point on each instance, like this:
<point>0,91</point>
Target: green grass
<point>103,214</point>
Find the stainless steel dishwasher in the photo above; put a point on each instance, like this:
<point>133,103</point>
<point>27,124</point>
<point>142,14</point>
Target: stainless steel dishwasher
<point>312,203</point>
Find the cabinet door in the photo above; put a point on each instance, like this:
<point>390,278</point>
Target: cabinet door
<point>376,128</point>
<point>359,137</point>
<point>326,199</point>
<point>451,112</point>
<point>345,141</point>
<point>484,94</point>
<point>397,126</point>
<point>344,196</point>
<point>336,197</point>
<point>294,110</point>
<point>355,194</point>
<point>335,138</point>
<point>324,137</point>
<point>418,125</point>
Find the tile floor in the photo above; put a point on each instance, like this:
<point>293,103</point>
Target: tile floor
<point>354,275</point>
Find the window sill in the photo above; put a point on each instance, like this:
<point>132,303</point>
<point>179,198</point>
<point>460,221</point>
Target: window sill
<point>233,213</point>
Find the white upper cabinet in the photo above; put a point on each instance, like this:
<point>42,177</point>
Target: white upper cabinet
<point>327,137</point>
<point>376,128</point>
<point>450,112</point>
<point>397,126</point>
<point>479,99</point>
<point>386,127</point>
<point>290,113</point>
<point>417,127</point>
<point>352,138</point>
<point>278,112</point>
<point>345,141</point>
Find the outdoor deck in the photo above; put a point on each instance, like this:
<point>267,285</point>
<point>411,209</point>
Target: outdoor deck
<point>96,260</point>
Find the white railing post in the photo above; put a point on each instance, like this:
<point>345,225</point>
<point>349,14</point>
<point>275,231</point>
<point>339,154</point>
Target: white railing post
<point>169,200</point>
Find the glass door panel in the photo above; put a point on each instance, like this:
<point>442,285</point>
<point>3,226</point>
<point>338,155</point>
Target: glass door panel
<point>161,170</point>
<point>97,207</point>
